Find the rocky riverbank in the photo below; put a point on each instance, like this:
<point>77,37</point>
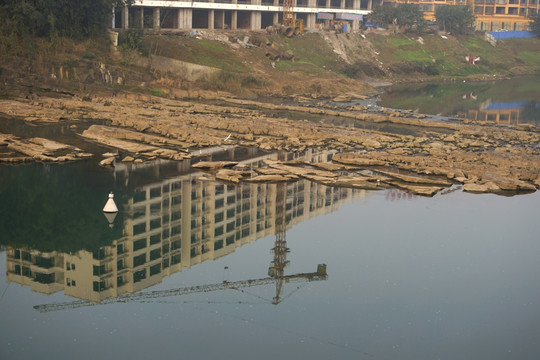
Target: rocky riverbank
<point>137,128</point>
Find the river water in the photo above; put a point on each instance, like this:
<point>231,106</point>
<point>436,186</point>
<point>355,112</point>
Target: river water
<point>505,102</point>
<point>194,268</point>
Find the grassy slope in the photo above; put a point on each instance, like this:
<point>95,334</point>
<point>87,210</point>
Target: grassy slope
<point>318,69</point>
<point>446,57</point>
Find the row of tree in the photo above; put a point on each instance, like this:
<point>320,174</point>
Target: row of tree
<point>71,18</point>
<point>455,19</point>
<point>451,18</point>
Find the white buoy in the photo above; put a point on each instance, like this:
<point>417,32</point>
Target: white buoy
<point>110,216</point>
<point>110,206</point>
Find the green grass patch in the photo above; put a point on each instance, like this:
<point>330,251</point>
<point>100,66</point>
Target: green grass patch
<point>400,41</point>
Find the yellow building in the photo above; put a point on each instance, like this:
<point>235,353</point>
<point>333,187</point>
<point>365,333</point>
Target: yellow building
<point>491,15</point>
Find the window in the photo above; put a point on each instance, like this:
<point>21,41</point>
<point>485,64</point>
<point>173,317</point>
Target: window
<point>139,244</point>
<point>218,245</point>
<point>120,249</point>
<point>155,254</point>
<point>155,223</point>
<point>45,278</point>
<point>97,255</point>
<point>139,275</point>
<point>176,230</point>
<point>165,219</point>
<point>99,285</point>
<point>218,231</point>
<point>155,269</point>
<point>155,207</point>
<point>99,270</point>
<point>219,217</point>
<point>219,203</point>
<point>155,239</point>
<point>139,228</point>
<point>139,260</point>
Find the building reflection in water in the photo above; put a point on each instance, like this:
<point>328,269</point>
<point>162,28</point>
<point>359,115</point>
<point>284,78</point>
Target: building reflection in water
<point>506,113</point>
<point>177,223</point>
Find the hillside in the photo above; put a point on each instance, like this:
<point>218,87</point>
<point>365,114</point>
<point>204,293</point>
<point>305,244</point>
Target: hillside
<point>315,65</point>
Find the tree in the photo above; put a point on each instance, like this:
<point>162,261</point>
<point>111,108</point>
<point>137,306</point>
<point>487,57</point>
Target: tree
<point>408,16</point>
<point>534,25</point>
<point>76,19</point>
<point>455,19</point>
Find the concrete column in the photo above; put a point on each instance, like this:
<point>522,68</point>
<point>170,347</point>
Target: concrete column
<point>210,19</point>
<point>255,22</point>
<point>328,3</point>
<point>220,19</point>
<point>275,19</point>
<point>370,5</point>
<point>125,18</point>
<point>310,23</point>
<point>142,17</point>
<point>356,4</point>
<point>234,19</point>
<point>185,20</point>
<point>342,4</point>
<point>355,25</point>
<point>157,19</point>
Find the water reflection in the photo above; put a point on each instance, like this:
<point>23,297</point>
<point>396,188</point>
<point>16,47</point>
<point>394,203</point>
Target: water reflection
<point>509,102</point>
<point>171,223</point>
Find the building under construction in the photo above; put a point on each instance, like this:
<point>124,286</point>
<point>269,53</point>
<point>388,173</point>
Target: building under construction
<point>490,15</point>
<point>239,14</point>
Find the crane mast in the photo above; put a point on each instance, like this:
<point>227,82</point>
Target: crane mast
<point>288,14</point>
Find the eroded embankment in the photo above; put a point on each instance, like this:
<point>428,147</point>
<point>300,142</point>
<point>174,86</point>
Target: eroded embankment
<point>483,158</point>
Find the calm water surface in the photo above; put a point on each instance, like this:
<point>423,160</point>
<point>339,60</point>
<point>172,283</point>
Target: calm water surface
<point>449,277</point>
<point>506,102</point>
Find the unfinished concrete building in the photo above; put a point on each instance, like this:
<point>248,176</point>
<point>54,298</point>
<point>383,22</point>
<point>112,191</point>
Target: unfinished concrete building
<point>238,14</point>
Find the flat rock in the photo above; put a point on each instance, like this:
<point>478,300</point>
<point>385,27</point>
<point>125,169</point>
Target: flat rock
<point>214,165</point>
<point>107,161</point>
<point>487,187</point>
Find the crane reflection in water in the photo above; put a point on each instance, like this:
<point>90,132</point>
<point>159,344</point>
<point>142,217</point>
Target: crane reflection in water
<point>174,223</point>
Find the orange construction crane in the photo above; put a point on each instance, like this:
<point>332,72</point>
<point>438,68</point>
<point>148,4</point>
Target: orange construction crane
<point>297,25</point>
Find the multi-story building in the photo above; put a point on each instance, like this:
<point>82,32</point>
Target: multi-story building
<point>173,224</point>
<point>236,14</point>
<point>491,15</point>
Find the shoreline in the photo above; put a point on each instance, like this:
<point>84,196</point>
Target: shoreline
<point>480,157</point>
